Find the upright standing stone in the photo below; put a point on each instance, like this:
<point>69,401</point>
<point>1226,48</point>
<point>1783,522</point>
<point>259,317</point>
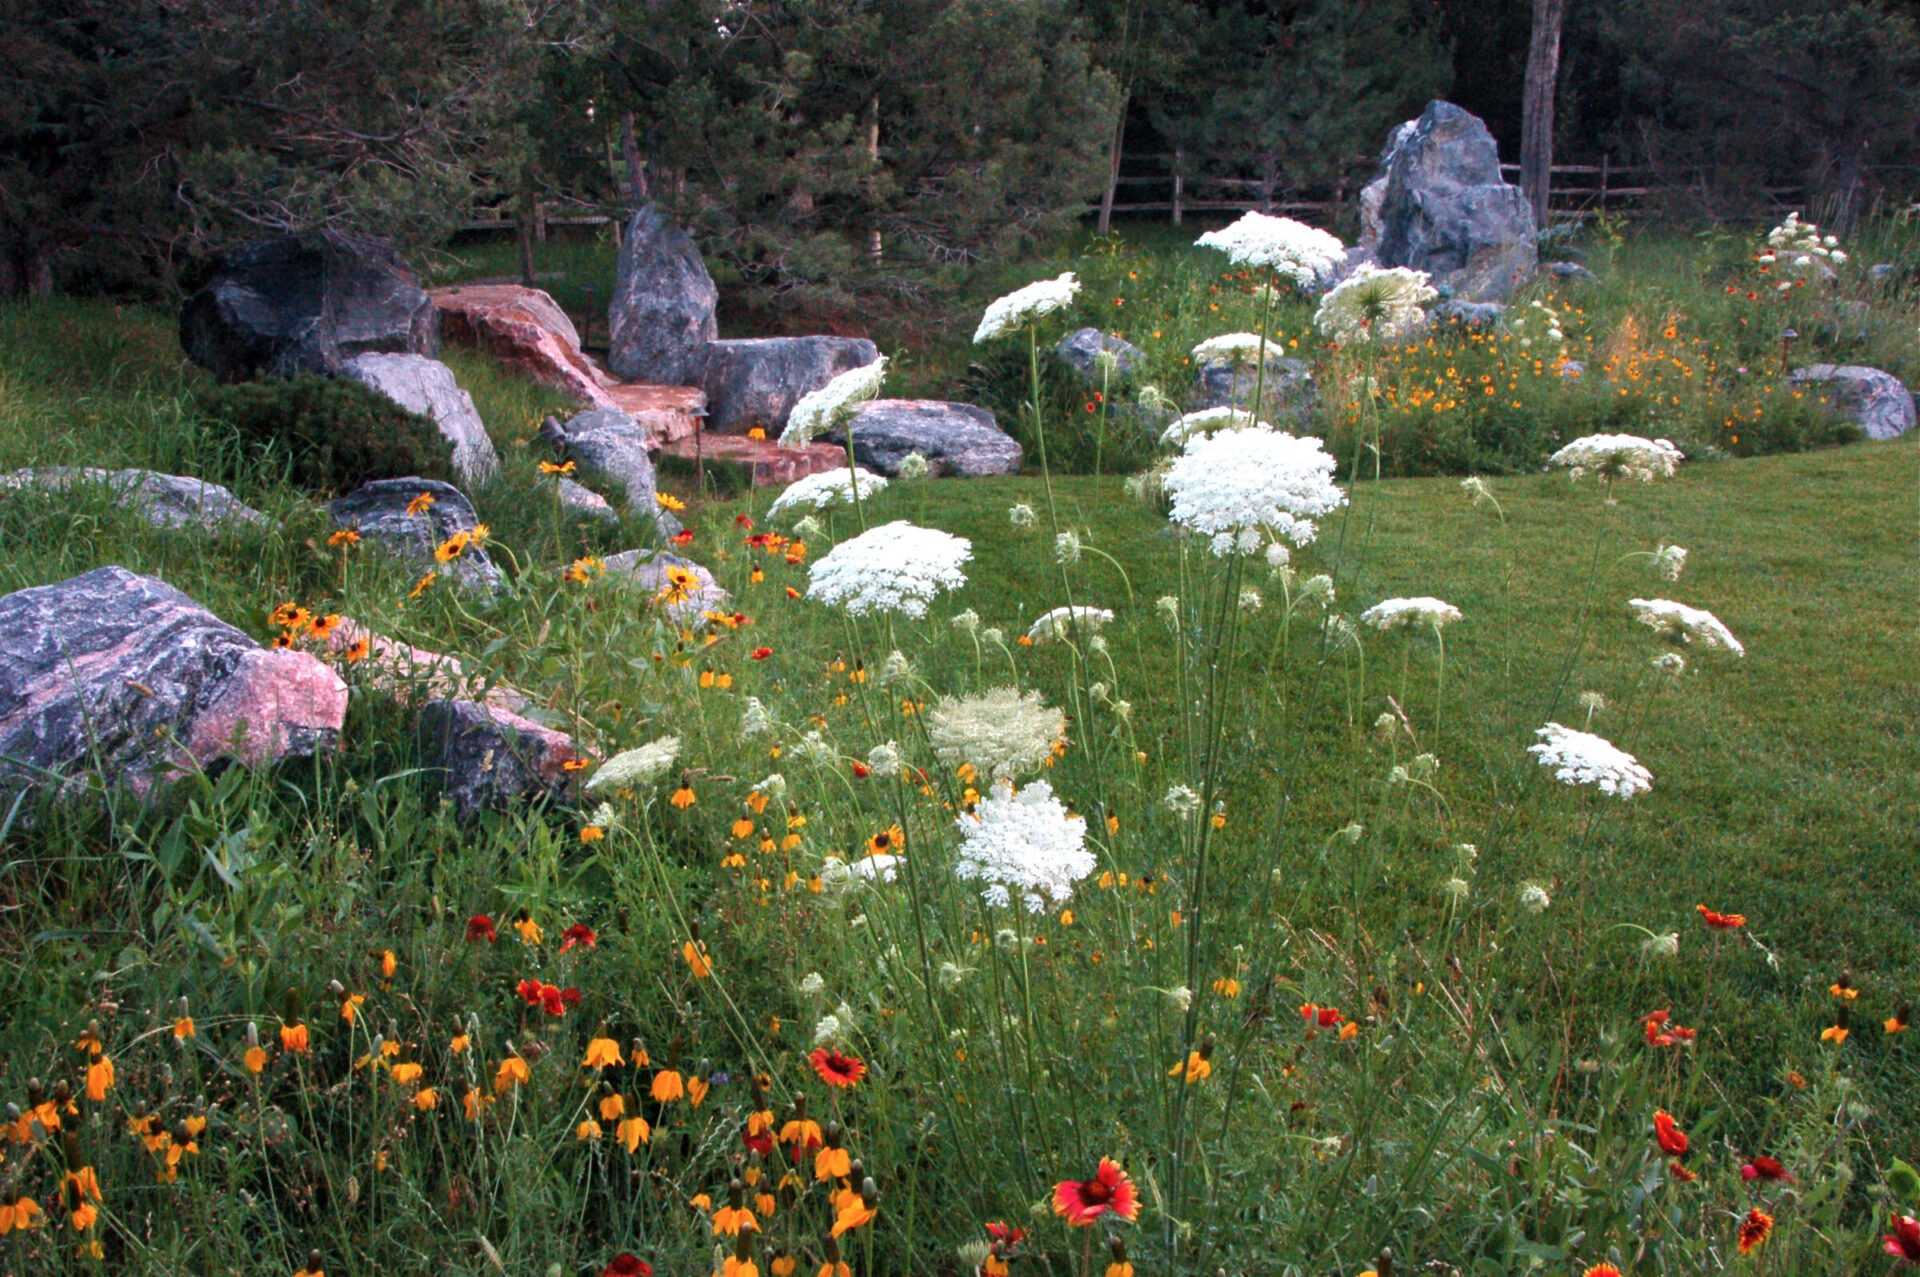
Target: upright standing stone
<point>661,316</point>
<point>1445,210</point>
<point>427,386</point>
<point>307,304</point>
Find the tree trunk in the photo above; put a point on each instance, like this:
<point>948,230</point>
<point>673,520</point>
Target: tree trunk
<point>630,152</point>
<point>874,250</point>
<point>1536,108</point>
<point>1105,224</point>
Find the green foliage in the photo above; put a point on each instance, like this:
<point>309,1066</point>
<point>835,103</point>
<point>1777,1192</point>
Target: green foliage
<point>1083,423</point>
<point>330,434</point>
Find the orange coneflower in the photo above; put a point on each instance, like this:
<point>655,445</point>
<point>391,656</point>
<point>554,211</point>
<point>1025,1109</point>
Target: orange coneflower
<point>697,958</point>
<point>836,1069</point>
<point>602,1052</point>
<point>1754,1230</point>
<point>293,1038</point>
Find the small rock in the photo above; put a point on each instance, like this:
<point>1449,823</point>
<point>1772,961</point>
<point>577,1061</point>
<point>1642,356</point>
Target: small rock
<point>661,316</point>
<point>610,443</point>
<point>164,500</point>
<point>1350,262</point>
<point>585,501</point>
<point>1878,402</point>
<point>1289,390</point>
<point>121,673</point>
<point>1469,314</point>
<point>1573,272</point>
<point>488,758</point>
<point>955,438</point>
<point>378,512</point>
<point>1572,369</point>
<point>411,675</point>
<point>307,304</point>
<point>756,381</point>
<point>427,386</point>
<point>1881,272</point>
<point>648,570</point>
<point>1082,348</point>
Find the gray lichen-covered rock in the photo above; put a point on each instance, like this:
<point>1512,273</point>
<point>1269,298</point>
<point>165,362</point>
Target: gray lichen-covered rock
<point>427,386</point>
<point>122,676</point>
<point>647,569</point>
<point>1081,348</point>
<point>1878,402</point>
<point>661,315</point>
<point>1572,272</point>
<point>756,381</point>
<point>585,501</point>
<point>379,512</point>
<point>487,757</point>
<point>164,500</point>
<point>1445,210</point>
<point>1288,393</point>
<point>610,443</point>
<point>307,304</point>
<point>955,438</point>
<point>1469,314</point>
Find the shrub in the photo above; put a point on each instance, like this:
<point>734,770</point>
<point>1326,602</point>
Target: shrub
<point>330,435</point>
<point>1080,436</point>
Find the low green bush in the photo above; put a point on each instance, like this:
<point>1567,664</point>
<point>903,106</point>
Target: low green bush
<point>330,435</point>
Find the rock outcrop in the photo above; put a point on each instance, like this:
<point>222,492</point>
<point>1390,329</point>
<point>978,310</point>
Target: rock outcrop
<point>1878,402</point>
<point>410,519</point>
<point>525,330</point>
<point>756,381</point>
<point>164,500</point>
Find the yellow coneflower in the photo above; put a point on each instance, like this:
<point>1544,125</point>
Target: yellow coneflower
<point>668,1086</point>
<point>344,537</point>
<point>667,501</point>
<point>420,504</point>
<point>698,960</point>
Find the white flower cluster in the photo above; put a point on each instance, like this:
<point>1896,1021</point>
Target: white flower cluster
<point>630,769</point>
<point>896,567</point>
<point>1536,322</point>
<point>1208,420</point>
<point>1669,561</point>
<point>1240,487</point>
<point>1685,624</point>
<point>829,487</point>
<point>819,411</point>
<point>1581,758</point>
<point>1024,843</point>
<point>1406,614</point>
<point>1296,252</point>
<point>1619,457</point>
<point>1062,621</point>
<point>1801,245</point>
<point>1025,304</point>
<point>1003,731</point>
<point>1243,350</point>
<point>1375,304</point>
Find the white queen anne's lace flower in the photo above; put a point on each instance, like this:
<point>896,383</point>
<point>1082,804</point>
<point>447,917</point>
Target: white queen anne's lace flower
<point>1404,614</point>
<point>819,411</point>
<point>1024,304</point>
<point>1235,486</point>
<point>1581,758</point>
<point>1208,420</point>
<point>1003,732</point>
<point>1619,457</point>
<point>1243,350</point>
<point>630,769</point>
<point>1296,252</point>
<point>896,567</point>
<point>1685,624</point>
<point>1024,844</point>
<point>1375,304</point>
<point>829,487</point>
<point>1063,621</point>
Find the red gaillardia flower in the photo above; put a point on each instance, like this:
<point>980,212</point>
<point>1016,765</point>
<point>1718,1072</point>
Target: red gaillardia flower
<point>761,653</point>
<point>1673,1140</point>
<point>578,934</point>
<point>1601,1270</point>
<point>627,1265</point>
<point>1754,1231</point>
<point>1080,1202</point>
<point>1765,1168</point>
<point>836,1069</point>
<point>1721,921</point>
<point>1904,1241</point>
<point>480,927</point>
<point>1662,1031</point>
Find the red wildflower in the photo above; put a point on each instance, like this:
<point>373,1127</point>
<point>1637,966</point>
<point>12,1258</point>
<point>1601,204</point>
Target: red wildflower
<point>1765,1168</point>
<point>1681,1173</point>
<point>683,537</point>
<point>792,593</point>
<point>626,1265</point>
<point>761,653</point>
<point>552,1001</point>
<point>743,521</point>
<point>1081,1202</point>
<point>1006,1235</point>
<point>1661,1031</point>
<point>1754,1230</point>
<point>836,1069</point>
<point>861,771</point>
<point>1672,1139</point>
<point>1904,1241</point>
<point>529,991</point>
<point>579,934</point>
<point>1721,921</point>
<point>1325,1017</point>
<point>761,1143</point>
<point>480,927</point>
<point>571,996</point>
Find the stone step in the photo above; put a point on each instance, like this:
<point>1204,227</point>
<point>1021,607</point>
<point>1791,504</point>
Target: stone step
<point>771,464</point>
<point>667,413</point>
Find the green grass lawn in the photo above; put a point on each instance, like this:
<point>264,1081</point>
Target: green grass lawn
<point>1493,1111</point>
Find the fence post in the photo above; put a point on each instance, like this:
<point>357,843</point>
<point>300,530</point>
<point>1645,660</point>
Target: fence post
<point>1179,181</point>
<point>1604,165</point>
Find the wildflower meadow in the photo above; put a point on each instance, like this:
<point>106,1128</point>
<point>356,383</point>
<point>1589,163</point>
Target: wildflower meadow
<point>1462,826</point>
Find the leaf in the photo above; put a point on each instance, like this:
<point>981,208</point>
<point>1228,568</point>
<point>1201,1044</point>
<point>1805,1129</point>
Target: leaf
<point>1904,1181</point>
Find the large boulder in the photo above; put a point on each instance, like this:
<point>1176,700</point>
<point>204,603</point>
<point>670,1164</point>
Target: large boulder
<point>121,675</point>
<point>610,443</point>
<point>1443,208</point>
<point>163,500</point>
<point>488,757</point>
<point>306,304</point>
<point>661,316</point>
<point>756,381</point>
<point>1288,393</point>
<point>1878,402</point>
<point>1082,348</point>
<point>524,329</point>
<point>410,519</point>
<point>427,386</point>
<point>955,438</point>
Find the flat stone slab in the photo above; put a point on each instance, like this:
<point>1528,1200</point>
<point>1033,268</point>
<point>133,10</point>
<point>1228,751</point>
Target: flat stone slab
<point>1878,402</point>
<point>120,675</point>
<point>427,386</point>
<point>955,438</point>
<point>379,512</point>
<point>756,381</point>
<point>768,464</point>
<point>164,500</point>
<point>489,758</point>
<point>665,413</point>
